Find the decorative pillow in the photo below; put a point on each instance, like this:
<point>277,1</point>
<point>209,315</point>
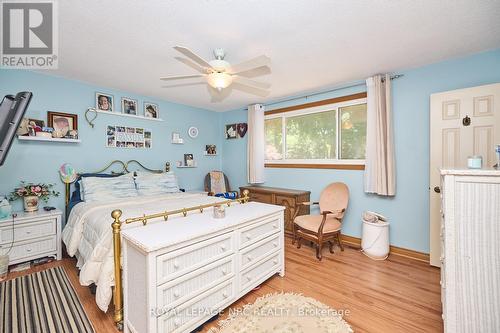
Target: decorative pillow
<point>78,194</point>
<point>156,183</point>
<point>104,189</point>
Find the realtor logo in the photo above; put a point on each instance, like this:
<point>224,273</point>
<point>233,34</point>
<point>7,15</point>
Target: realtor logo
<point>29,35</point>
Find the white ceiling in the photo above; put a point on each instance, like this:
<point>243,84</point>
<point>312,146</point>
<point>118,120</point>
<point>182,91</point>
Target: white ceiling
<point>313,45</point>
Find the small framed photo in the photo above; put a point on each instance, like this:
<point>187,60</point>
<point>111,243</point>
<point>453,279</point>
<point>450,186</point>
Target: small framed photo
<point>129,106</point>
<point>211,149</point>
<point>231,132</point>
<point>104,102</point>
<point>36,123</point>
<point>188,160</point>
<point>63,123</point>
<point>151,110</point>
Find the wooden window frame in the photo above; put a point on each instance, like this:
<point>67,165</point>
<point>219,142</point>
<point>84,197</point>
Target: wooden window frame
<point>317,164</point>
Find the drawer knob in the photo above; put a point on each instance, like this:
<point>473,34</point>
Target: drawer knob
<point>223,247</point>
<point>275,261</point>
<point>249,277</point>
<point>224,271</point>
<point>225,295</point>
<point>28,250</point>
<point>176,294</point>
<point>275,244</point>
<point>176,264</point>
<point>28,232</point>
<point>248,236</point>
<point>275,225</point>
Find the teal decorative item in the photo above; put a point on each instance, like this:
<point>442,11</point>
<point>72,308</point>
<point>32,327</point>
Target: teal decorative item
<point>68,173</point>
<point>5,208</point>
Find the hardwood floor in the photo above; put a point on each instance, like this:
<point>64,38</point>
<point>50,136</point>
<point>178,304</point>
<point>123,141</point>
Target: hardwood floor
<point>396,295</point>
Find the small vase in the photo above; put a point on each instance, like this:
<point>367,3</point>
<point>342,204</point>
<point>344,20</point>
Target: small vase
<point>30,203</point>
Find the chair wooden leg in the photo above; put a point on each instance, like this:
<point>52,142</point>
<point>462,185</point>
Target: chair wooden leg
<point>330,245</point>
<point>319,255</point>
<point>294,238</point>
<point>298,242</point>
<point>340,242</point>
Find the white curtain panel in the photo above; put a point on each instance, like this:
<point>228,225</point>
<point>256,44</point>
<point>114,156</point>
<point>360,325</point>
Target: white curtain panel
<point>256,144</point>
<point>380,169</point>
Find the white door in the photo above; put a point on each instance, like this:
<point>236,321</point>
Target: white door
<point>464,122</point>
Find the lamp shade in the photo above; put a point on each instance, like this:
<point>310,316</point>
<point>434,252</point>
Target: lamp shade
<point>68,173</point>
<point>219,80</point>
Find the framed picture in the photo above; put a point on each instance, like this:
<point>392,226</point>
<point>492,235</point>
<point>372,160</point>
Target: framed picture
<point>231,132</point>
<point>129,106</point>
<point>188,160</point>
<point>211,149</point>
<point>104,102</point>
<point>62,123</point>
<point>36,123</point>
<point>151,110</point>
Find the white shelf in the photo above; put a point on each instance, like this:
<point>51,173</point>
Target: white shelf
<point>205,154</point>
<point>177,142</point>
<point>187,166</point>
<point>128,115</point>
<point>41,138</point>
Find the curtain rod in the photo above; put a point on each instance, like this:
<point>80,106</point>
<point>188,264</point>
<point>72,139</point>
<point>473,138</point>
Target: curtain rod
<point>393,77</point>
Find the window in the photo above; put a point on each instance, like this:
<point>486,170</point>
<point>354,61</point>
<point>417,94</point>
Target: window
<point>326,134</point>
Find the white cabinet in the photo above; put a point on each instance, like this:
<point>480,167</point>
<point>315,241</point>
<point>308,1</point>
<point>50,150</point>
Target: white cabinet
<point>470,254</point>
<point>180,273</point>
<point>30,236</point>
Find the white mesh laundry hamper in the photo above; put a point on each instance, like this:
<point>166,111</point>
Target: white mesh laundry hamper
<point>375,237</point>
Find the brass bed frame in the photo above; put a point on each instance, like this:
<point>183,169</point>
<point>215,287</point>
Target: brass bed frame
<point>117,224</point>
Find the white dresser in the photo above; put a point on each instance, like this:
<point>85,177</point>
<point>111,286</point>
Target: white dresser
<point>180,273</point>
<point>36,235</point>
<point>470,244</point>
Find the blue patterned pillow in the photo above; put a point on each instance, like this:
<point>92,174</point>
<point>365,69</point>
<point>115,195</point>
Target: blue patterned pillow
<point>156,184</point>
<point>104,189</point>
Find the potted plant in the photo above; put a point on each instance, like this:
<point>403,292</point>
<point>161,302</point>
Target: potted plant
<point>32,193</point>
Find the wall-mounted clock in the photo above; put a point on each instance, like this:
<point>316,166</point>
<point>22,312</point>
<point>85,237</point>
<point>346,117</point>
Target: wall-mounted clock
<point>193,132</point>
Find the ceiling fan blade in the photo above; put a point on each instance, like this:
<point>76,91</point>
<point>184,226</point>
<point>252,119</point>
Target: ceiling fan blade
<point>192,64</point>
<point>248,82</point>
<point>177,77</point>
<point>187,84</point>
<point>188,53</point>
<point>250,90</point>
<point>259,71</point>
<point>250,64</point>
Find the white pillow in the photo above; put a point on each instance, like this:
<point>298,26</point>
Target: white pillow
<point>156,183</point>
<point>104,189</point>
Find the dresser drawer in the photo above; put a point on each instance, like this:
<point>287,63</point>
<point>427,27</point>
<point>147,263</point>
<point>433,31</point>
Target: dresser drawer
<point>205,305</point>
<point>189,258</point>
<point>259,230</point>
<point>31,248</point>
<point>27,231</point>
<point>260,270</point>
<point>259,250</point>
<point>190,285</point>
<point>261,197</point>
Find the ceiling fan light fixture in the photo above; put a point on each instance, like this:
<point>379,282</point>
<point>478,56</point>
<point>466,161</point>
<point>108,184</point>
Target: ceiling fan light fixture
<point>219,81</point>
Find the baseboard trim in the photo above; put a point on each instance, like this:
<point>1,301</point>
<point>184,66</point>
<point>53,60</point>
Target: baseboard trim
<point>394,250</point>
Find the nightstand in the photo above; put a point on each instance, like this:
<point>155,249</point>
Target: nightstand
<point>36,235</point>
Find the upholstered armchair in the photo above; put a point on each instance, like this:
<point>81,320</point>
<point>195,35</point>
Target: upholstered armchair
<point>325,227</point>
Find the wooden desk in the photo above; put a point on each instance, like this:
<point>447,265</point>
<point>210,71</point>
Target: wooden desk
<point>280,196</point>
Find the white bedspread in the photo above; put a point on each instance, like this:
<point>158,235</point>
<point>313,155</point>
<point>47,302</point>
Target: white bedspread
<point>88,234</point>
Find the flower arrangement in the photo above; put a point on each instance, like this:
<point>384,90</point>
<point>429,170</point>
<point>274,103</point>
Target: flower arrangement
<point>42,191</point>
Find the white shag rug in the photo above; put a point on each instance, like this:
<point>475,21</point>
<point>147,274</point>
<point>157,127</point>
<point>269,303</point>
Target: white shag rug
<point>284,313</point>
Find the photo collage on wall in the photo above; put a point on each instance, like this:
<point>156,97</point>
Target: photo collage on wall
<point>128,137</point>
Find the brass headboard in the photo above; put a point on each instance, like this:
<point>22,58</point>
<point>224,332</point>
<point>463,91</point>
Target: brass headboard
<point>124,167</point>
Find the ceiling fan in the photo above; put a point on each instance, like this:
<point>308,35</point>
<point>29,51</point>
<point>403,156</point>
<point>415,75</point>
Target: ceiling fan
<point>220,74</point>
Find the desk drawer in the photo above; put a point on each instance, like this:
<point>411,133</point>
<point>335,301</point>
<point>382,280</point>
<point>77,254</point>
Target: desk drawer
<point>30,248</point>
<point>189,258</point>
<point>259,230</point>
<point>259,250</point>
<point>28,231</point>
<point>190,285</point>
<point>202,307</point>
<point>261,197</point>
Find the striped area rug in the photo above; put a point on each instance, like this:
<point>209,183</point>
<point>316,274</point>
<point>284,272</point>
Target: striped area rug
<point>42,302</point>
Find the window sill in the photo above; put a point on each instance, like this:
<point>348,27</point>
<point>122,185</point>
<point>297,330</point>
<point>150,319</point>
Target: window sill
<point>316,166</point>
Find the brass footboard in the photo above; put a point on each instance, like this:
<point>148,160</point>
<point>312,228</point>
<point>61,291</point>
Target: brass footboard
<point>116,225</point>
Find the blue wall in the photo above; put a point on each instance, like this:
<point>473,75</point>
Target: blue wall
<point>40,161</point>
<point>408,212</point>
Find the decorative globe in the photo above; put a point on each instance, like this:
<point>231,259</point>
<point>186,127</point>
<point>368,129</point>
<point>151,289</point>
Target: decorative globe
<point>68,173</point>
